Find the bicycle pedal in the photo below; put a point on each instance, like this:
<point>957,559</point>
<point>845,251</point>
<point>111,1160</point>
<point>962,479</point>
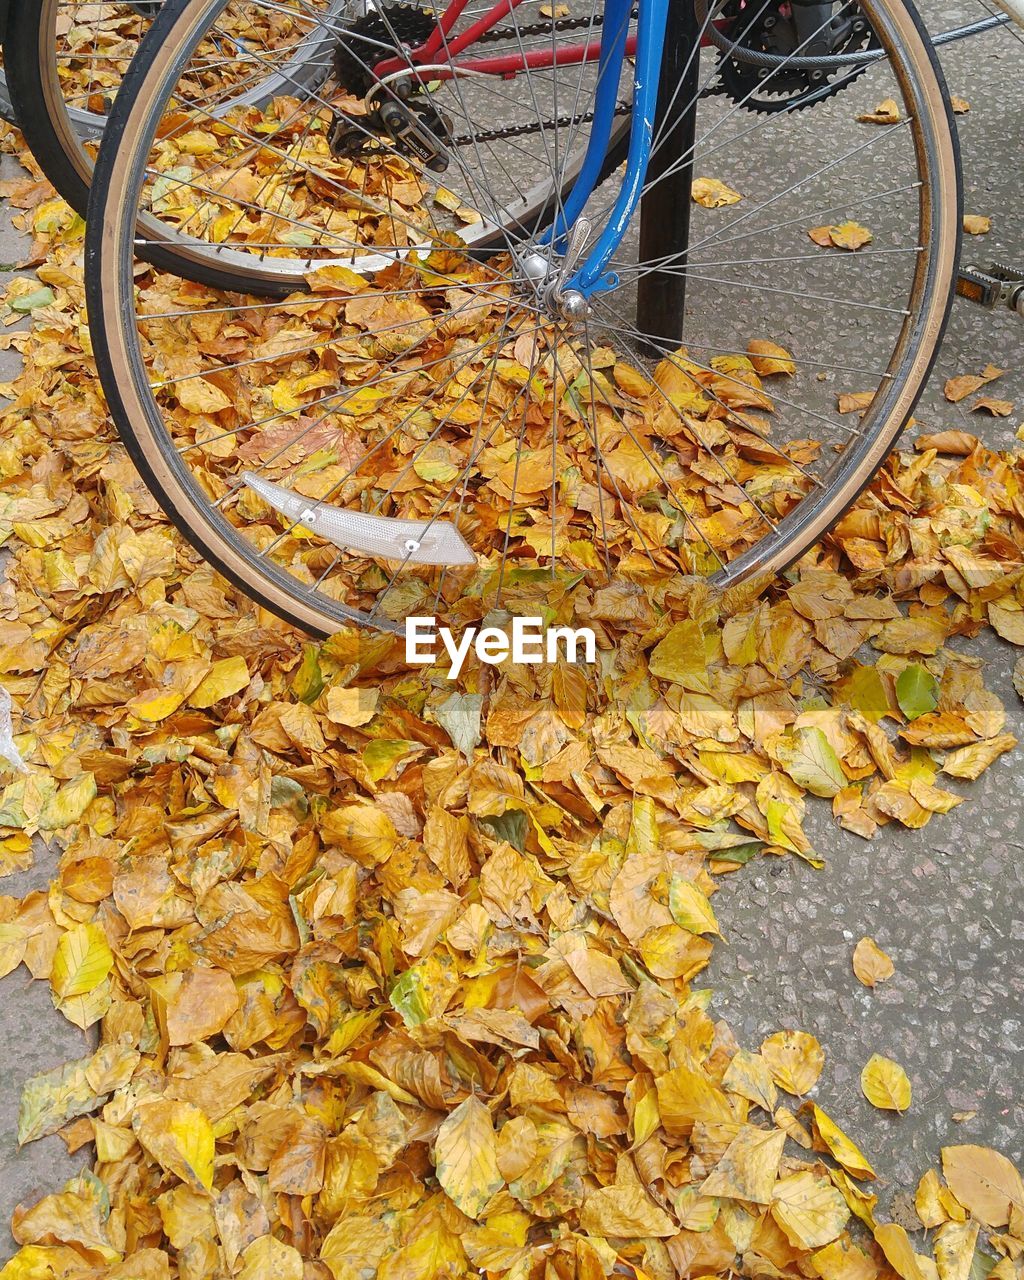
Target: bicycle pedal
<point>427,542</point>
<point>998,285</point>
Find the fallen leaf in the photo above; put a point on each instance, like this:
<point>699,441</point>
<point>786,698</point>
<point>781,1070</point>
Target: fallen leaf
<point>885,1085</point>
<point>749,1166</point>
<point>180,1139</point>
<point>997,408</point>
<point>870,963</point>
<point>965,384</point>
<point>844,235</point>
<point>917,691</point>
<point>887,112</point>
<point>809,1210</point>
<point>465,1157</point>
<point>985,1182</point>
<point>710,193</point>
<point>843,1148</point>
<point>625,1211</point>
<point>795,1059</point>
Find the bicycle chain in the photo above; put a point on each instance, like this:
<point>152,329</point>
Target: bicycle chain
<point>535,126</point>
<point>553,27</point>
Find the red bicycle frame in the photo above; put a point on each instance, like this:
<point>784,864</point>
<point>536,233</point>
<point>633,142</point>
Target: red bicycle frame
<point>441,50</point>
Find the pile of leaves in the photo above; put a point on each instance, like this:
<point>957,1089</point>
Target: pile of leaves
<point>393,976</point>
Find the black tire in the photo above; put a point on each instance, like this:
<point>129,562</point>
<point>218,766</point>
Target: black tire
<point>53,133</point>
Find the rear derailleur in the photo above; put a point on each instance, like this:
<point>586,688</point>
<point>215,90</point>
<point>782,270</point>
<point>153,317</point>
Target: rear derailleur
<point>402,118</point>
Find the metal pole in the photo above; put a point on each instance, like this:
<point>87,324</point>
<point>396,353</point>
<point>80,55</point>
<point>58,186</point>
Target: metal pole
<point>665,209</point>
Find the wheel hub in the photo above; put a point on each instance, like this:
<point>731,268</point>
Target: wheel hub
<point>546,278</point>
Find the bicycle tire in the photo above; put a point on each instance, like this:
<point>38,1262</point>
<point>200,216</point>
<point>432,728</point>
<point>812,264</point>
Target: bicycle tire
<point>123,375</point>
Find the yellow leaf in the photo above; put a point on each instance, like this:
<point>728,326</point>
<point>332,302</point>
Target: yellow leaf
<point>985,1183</point>
<point>228,676</point>
<point>669,951</point>
<point>928,1200</point>
<point>710,193</point>
<point>844,1260</point>
<point>179,1138</point>
<point>626,1211</point>
<point>870,963</point>
<point>199,396</point>
<point>810,760</point>
<point>13,941</point>
<point>899,1252</point>
<point>977,224</point>
<point>679,657</point>
<point>768,358</point>
<point>434,1251</point>
<point>748,1075</point>
<point>631,381</point>
<point>363,831</point>
<point>887,112</point>
<point>197,142</point>
<point>517,1147</point>
<point>81,962</point>
<point>850,235</point>
<point>646,1117</point>
<point>686,1096</point>
<point>795,1059</point>
<point>970,762</point>
<point>810,1212</point>
<point>749,1166</point>
<point>465,1157</point>
<point>267,1257</point>
<point>861,1203</point>
<point>846,235</point>
<point>843,1148</point>
<point>352,707</point>
<point>199,1002</point>
<point>690,907</point>
<point>954,1249</point>
<point>69,803</point>
<point>155,705</point>
<point>355,1242</point>
<point>885,1084</point>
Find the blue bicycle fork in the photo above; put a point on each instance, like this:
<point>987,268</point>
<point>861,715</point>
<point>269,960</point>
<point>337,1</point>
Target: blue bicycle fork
<point>590,276</point>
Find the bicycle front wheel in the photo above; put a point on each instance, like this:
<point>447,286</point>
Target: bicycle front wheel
<point>422,424</point>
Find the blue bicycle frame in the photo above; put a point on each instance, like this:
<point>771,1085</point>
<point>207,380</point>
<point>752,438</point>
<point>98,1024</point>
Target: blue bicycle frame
<point>591,276</point>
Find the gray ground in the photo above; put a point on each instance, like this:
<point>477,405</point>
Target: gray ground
<point>947,902</point>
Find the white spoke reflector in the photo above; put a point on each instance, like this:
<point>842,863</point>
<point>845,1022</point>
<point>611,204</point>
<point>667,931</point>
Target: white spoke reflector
<point>435,542</point>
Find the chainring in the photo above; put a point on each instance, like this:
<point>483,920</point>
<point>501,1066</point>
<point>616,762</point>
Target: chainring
<point>774,32</point>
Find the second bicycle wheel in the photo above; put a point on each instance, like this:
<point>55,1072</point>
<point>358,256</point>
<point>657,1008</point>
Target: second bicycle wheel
<point>418,424</point>
<point>65,60</point>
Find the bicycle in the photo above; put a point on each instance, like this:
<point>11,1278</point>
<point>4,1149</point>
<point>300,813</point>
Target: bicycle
<point>427,398</point>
